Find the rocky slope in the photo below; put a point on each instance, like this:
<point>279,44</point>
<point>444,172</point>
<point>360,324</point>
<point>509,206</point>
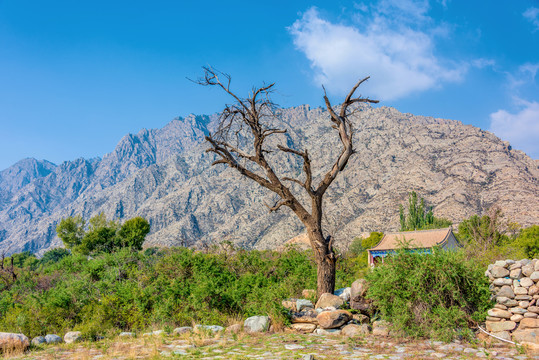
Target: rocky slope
<point>165,176</point>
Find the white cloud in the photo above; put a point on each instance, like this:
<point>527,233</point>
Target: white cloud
<point>385,45</point>
<point>532,14</point>
<point>520,129</point>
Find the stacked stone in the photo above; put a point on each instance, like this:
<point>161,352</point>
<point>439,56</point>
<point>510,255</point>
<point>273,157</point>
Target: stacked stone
<point>327,315</point>
<point>515,289</point>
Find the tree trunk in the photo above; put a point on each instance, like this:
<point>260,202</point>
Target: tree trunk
<point>325,261</point>
<point>326,276</point>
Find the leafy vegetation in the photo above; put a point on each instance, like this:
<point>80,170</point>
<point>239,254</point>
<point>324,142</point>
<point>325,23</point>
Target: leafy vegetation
<point>420,216</point>
<point>101,235</point>
<point>433,295</point>
<point>528,241</point>
<point>133,291</point>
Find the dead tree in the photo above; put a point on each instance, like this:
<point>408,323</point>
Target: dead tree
<point>250,119</point>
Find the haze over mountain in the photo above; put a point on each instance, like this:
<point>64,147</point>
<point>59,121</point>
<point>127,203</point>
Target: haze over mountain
<point>166,176</point>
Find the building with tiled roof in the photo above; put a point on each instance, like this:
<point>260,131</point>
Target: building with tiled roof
<point>421,241</point>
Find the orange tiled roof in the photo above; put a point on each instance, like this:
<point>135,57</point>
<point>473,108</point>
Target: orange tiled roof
<point>417,239</point>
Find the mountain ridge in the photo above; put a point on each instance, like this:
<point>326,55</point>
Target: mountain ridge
<point>165,175</point>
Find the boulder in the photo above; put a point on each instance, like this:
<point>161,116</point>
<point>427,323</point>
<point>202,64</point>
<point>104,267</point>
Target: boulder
<point>499,272</point>
<point>210,328</point>
<point>333,319</point>
<point>352,330</point>
<point>361,304</point>
<point>514,266</point>
<point>233,329</point>
<point>303,304</point>
<point>72,336</point>
<point>307,316</point>
<point>506,291</point>
<point>360,319</point>
<point>502,282</point>
<point>182,330</point>
<point>321,331</point>
<point>528,323</point>
<point>53,339</point>
<point>515,274</point>
<point>380,328</point>
<point>303,327</point>
<point>289,304</point>
<point>343,293</point>
<point>328,299</point>
<point>11,341</point>
<point>527,270</point>
<point>38,340</point>
<point>358,288</point>
<point>518,310</point>
<point>499,313</point>
<point>257,324</point>
<point>496,326</point>
<point>529,335</point>
<point>520,290</point>
<point>501,263</point>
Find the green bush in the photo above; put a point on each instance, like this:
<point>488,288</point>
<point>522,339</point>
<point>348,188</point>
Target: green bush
<point>436,295</point>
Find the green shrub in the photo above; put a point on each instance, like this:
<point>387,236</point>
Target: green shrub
<point>434,295</point>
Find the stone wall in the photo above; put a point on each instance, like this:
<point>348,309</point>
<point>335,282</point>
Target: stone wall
<point>515,290</point>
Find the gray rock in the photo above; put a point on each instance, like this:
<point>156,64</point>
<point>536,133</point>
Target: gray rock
<point>9,341</point>
<point>499,313</point>
<point>358,288</point>
<point>526,282</point>
<point>53,339</point>
<point>502,281</point>
<point>302,304</point>
<point>496,326</point>
<point>38,340</point>
<point>499,272</point>
<point>127,334</point>
<point>257,324</point>
<point>327,300</point>
<point>517,310</point>
<point>501,263</point>
<point>531,315</point>
<point>380,328</point>
<point>72,336</point>
<point>515,274</point>
<point>343,293</point>
<point>522,297</point>
<point>516,318</point>
<point>535,276</point>
<point>211,328</point>
<point>520,291</point>
<point>527,270</point>
<point>294,347</point>
<point>321,331</point>
<point>506,335</point>
<point>182,330</point>
<point>514,266</point>
<point>303,327</point>
<point>506,291</point>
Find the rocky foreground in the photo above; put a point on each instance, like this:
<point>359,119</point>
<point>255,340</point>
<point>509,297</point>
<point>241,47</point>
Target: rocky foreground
<point>271,346</point>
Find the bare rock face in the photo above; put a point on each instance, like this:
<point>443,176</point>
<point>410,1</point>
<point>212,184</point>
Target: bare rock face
<point>165,176</point>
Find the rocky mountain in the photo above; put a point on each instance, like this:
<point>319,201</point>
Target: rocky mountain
<point>166,176</point>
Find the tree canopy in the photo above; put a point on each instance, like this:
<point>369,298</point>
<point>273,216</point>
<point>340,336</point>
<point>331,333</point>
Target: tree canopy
<point>420,216</point>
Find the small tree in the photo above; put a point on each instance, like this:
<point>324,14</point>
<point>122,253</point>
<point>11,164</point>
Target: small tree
<point>133,232</point>
<point>420,216</point>
<point>249,120</point>
<point>71,230</point>
<point>528,240</point>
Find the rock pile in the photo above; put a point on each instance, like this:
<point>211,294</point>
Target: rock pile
<point>515,289</point>
<point>328,315</point>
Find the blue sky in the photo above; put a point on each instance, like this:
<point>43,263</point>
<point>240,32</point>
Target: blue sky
<point>76,76</point>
